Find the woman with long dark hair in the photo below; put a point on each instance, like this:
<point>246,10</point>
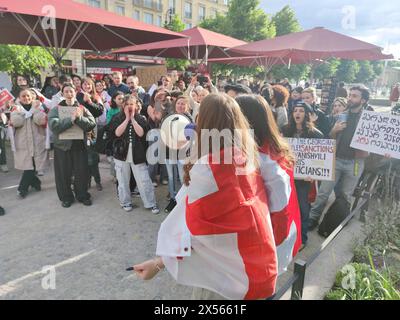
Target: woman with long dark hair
<point>277,170</point>
<point>301,126</point>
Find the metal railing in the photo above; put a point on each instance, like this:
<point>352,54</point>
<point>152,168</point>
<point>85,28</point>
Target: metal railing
<point>296,282</point>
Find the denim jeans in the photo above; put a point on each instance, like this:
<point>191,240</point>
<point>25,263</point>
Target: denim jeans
<point>303,189</point>
<point>346,179</point>
<point>154,169</point>
<point>174,166</point>
<point>143,181</point>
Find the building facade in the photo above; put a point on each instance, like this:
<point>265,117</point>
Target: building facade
<point>155,12</point>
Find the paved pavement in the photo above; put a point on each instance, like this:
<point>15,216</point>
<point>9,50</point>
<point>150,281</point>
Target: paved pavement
<point>90,246</point>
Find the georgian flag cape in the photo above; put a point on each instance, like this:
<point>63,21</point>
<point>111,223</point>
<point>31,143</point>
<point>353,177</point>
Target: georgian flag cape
<point>219,236</point>
<point>283,204</point>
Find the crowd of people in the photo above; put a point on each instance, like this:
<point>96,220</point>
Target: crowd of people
<point>115,118</point>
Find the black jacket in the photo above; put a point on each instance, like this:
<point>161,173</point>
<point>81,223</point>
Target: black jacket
<point>322,122</point>
<point>121,144</point>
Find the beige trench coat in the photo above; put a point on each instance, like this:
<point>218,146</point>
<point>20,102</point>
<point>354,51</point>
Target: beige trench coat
<point>30,139</point>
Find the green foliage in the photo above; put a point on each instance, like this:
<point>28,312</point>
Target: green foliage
<point>296,72</point>
<point>246,21</point>
<point>394,64</point>
<point>216,24</point>
<point>369,284</point>
<point>254,24</point>
<point>27,60</point>
<point>378,67</point>
<point>177,25</point>
<point>366,72</point>
<point>327,69</point>
<point>347,71</point>
<point>376,259</point>
<point>382,236</point>
<point>285,21</point>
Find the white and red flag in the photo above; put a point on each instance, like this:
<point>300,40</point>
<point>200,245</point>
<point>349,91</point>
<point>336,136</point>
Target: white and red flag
<point>283,204</point>
<point>219,236</point>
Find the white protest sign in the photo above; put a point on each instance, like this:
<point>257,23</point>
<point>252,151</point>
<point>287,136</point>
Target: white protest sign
<point>315,158</point>
<point>378,133</point>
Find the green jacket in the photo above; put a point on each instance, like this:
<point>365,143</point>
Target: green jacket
<point>57,126</point>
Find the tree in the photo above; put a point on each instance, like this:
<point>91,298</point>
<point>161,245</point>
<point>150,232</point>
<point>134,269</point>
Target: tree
<point>347,71</point>
<point>245,21</point>
<point>177,25</point>
<point>327,69</point>
<point>285,21</point>
<point>216,24</point>
<point>366,72</point>
<point>25,60</point>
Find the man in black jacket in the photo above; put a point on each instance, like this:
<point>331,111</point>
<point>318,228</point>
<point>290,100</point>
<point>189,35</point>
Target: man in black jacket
<point>349,161</point>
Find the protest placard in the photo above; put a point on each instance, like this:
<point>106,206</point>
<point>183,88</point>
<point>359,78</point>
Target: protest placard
<point>73,133</point>
<point>378,133</point>
<point>315,158</point>
<point>5,96</point>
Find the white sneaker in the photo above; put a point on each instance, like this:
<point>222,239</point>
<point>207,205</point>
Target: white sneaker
<point>4,168</point>
<point>155,210</point>
<point>155,184</point>
<point>164,182</point>
<point>128,208</point>
<point>40,173</point>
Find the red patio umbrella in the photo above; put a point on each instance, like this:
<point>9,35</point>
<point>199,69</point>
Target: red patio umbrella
<point>199,44</point>
<point>309,45</point>
<point>60,25</point>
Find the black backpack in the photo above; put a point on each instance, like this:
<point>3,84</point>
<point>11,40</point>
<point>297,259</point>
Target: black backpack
<point>335,215</point>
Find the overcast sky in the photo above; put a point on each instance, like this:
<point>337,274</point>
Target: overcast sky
<point>377,22</point>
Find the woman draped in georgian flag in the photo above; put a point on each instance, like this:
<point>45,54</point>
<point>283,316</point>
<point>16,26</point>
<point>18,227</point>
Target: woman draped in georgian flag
<point>276,166</point>
<point>219,237</point>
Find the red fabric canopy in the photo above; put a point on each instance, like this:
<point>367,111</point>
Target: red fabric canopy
<point>78,26</point>
<point>254,61</point>
<point>317,43</point>
<point>199,41</point>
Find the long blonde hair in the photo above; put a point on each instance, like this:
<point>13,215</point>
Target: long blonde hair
<point>221,112</point>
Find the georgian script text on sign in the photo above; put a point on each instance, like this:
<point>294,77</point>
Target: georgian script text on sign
<point>378,133</point>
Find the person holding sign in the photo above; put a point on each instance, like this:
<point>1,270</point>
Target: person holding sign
<point>349,161</point>
<point>301,126</point>
<point>70,123</point>
<point>29,121</point>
